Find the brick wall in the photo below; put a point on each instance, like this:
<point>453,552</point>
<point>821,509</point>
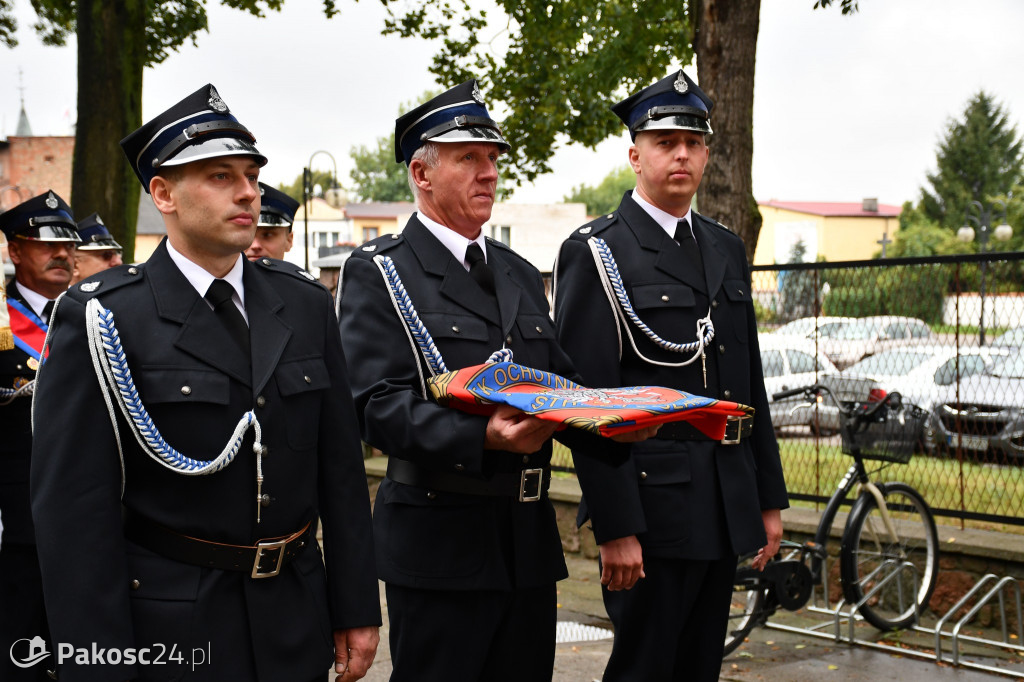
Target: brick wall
<point>40,163</point>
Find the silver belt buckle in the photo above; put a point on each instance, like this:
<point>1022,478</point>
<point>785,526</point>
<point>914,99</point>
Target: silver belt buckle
<point>531,483</point>
<point>734,423</point>
<point>263,547</point>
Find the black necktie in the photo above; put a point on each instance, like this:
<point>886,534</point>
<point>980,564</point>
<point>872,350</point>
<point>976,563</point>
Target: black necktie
<point>479,269</point>
<point>219,295</point>
<point>685,238</point>
<point>47,311</point>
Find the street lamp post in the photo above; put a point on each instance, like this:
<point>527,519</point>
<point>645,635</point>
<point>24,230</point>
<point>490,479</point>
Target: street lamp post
<point>982,216</point>
<point>307,192</point>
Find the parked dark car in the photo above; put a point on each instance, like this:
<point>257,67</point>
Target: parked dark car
<point>986,420</point>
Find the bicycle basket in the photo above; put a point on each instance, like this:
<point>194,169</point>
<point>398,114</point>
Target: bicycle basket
<point>891,438</point>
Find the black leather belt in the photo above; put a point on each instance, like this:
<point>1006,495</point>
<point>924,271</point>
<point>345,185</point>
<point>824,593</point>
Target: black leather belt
<point>262,560</point>
<point>736,428</point>
<point>525,485</point>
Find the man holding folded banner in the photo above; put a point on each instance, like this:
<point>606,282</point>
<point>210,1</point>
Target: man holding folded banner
<point>657,294</point>
<point>41,239</point>
<point>467,543</point>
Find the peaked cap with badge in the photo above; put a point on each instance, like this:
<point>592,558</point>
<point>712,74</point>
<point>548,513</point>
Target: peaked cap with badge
<point>45,218</point>
<point>457,115</point>
<point>95,235</point>
<point>277,209</point>
<point>196,128</point>
<point>674,102</point>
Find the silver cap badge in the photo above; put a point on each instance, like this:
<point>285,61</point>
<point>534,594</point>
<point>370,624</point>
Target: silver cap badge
<point>478,96</point>
<point>51,201</point>
<point>216,103</point>
<point>680,85</point>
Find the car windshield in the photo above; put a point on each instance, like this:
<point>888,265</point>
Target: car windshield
<point>856,331</point>
<point>894,363</point>
<point>829,329</point>
<point>1014,337</point>
<point>1010,367</point>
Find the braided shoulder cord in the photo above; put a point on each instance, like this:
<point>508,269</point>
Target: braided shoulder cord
<point>608,269</point>
<point>419,336</point>
<point>7,395</point>
<point>113,373</point>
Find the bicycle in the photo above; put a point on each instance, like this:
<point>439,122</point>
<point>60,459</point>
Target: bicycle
<point>889,547</point>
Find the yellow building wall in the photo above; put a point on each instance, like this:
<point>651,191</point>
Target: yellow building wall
<point>839,238</point>
<point>383,225</point>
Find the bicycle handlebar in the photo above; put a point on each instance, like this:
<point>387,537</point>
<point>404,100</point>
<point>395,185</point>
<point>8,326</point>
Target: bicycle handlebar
<point>868,409</point>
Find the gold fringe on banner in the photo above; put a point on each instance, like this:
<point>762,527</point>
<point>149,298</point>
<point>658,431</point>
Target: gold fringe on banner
<point>6,335</point>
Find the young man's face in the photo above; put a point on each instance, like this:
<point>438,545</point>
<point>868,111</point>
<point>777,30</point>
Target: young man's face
<point>459,193</point>
<point>43,267</point>
<point>669,165</point>
<point>215,203</point>
<point>270,241</point>
<point>88,263</point>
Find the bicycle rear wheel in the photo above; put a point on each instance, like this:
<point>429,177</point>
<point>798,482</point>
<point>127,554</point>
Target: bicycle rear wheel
<point>748,598</point>
<point>870,554</point>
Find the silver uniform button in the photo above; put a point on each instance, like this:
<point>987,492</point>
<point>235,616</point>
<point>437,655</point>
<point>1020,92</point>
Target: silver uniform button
<point>526,459</point>
<point>460,467</point>
<point>136,584</point>
<point>431,495</point>
<point>714,304</point>
<point>539,330</point>
<point>261,401</point>
<point>266,261</point>
<point>264,500</point>
<point>665,298</point>
<point>727,393</point>
<point>186,390</point>
<point>264,451</point>
<point>508,339</point>
<point>643,474</point>
<point>133,271</point>
<point>455,329</point>
<point>721,348</point>
<point>307,379</point>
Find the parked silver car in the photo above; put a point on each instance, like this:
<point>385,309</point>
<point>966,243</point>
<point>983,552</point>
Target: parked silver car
<point>791,362</point>
<point>987,418</point>
<point>805,327</point>
<point>869,335</point>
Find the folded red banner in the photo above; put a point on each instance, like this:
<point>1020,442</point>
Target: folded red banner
<point>604,411</point>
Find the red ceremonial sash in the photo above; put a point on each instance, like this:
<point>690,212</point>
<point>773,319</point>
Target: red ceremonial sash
<point>28,329</point>
<point>604,411</point>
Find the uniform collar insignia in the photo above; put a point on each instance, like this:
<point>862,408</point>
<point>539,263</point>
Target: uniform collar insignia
<point>585,230</point>
<point>305,274</point>
<point>371,247</point>
<point>89,287</point>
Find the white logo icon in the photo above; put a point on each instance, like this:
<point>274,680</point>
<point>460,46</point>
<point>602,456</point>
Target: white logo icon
<point>36,652</point>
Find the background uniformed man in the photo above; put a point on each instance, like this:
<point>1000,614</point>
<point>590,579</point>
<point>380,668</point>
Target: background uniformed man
<point>41,240</point>
<point>274,230</point>
<point>467,542</point>
<point>135,553</point>
<point>98,250</point>
<point>671,523</point>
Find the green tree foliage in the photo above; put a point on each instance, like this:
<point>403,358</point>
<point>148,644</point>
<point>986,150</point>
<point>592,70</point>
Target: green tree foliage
<point>376,175</point>
<point>116,40</point>
<point>979,159</point>
<point>605,197</point>
<point>797,289</point>
<point>322,179</point>
<point>920,236</point>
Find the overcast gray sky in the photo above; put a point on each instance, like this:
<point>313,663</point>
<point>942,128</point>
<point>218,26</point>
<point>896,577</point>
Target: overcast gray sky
<point>844,107</point>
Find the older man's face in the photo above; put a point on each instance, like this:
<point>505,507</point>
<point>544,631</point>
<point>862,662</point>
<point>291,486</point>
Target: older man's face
<point>88,263</point>
<point>43,267</point>
<point>459,193</point>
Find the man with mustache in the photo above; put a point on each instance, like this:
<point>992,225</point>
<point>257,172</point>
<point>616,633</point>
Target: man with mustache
<point>671,521</point>
<point>41,241</point>
<point>98,250</point>
<point>468,547</point>
<point>148,537</point>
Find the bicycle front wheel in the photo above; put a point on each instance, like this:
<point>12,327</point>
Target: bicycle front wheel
<point>748,599</point>
<point>901,562</point>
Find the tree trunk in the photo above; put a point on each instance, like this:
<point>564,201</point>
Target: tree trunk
<point>111,56</point>
<point>725,44</point>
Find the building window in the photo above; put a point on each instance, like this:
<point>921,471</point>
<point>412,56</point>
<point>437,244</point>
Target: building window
<point>502,233</point>
<point>370,233</point>
<point>326,238</point>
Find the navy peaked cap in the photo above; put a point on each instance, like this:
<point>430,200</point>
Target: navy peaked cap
<point>457,115</point>
<point>198,127</point>
<point>95,235</point>
<point>45,218</point>
<point>277,209</point>
<point>674,102</point>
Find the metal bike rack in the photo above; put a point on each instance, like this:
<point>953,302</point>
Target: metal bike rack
<point>997,591</point>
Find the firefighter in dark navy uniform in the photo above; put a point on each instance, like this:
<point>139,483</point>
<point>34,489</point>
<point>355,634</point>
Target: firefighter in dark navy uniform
<point>98,251</point>
<point>671,522</point>
<point>206,425</point>
<point>468,547</point>
<point>274,231</point>
<point>41,240</point>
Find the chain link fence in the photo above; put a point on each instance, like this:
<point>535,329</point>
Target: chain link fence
<point>946,332</point>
